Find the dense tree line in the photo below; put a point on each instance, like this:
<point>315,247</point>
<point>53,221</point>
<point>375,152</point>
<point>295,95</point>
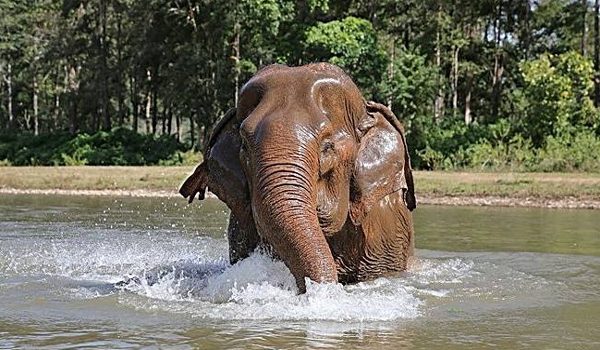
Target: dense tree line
<point>490,83</point>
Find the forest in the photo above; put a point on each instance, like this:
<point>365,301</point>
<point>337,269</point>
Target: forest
<point>501,85</point>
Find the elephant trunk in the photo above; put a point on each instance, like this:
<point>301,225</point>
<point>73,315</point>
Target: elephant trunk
<point>289,220</point>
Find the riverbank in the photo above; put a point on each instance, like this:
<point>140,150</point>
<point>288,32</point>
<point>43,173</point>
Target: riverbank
<point>548,190</point>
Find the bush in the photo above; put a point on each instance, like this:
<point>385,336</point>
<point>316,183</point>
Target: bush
<point>573,152</point>
<point>452,145</point>
<point>517,154</point>
<point>577,152</point>
<point>437,146</point>
<point>117,147</point>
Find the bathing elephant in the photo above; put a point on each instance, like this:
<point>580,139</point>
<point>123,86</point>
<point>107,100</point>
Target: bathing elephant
<point>315,173</point>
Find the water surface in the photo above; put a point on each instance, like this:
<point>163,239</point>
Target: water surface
<point>97,272</point>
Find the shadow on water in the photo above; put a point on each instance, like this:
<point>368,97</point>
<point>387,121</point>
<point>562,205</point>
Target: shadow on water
<point>182,270</point>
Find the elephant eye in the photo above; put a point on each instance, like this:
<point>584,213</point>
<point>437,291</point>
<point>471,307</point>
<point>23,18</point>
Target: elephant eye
<point>327,158</point>
<point>327,147</point>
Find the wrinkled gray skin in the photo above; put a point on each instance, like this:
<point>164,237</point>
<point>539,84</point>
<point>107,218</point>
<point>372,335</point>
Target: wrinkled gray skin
<point>313,172</point>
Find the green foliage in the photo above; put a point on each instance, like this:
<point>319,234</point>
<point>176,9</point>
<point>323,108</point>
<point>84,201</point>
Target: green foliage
<point>557,90</point>
<point>352,44</point>
<point>118,147</point>
<point>410,85</point>
<point>499,147</point>
<point>576,152</point>
<point>441,145</point>
<point>486,85</point>
<point>571,153</point>
<point>515,154</point>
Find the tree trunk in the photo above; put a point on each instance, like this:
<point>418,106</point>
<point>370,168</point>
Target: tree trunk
<point>391,71</point>
<point>178,126</point>
<point>105,100</point>
<point>584,29</point>
<point>498,65</point>
<point>170,120</point>
<point>72,86</point>
<point>135,103</point>
<point>164,120</point>
<point>406,37</point>
<point>148,112</point>
<point>154,109</point>
<point>148,101</point>
<point>597,53</point>
<point>204,132</point>
<point>528,28</point>
<point>9,97</point>
<point>468,117</point>
<point>455,80</point>
<point>36,122</point>
<point>56,113</point>
<point>120,80</point>
<point>439,99</point>
<point>192,135</point>
<point>236,57</point>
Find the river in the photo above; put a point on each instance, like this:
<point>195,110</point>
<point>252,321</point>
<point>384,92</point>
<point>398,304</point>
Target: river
<point>101,272</point>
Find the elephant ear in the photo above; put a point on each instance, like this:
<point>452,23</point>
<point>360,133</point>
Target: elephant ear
<point>221,170</point>
<point>382,164</point>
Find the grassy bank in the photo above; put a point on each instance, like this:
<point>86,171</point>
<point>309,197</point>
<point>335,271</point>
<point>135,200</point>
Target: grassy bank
<point>152,178</point>
<point>515,185</point>
<point>428,184</point>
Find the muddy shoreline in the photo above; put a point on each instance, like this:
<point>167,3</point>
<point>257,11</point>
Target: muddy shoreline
<point>426,199</point>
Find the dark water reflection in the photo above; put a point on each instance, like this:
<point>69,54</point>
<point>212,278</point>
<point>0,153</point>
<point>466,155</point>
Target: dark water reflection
<point>488,277</point>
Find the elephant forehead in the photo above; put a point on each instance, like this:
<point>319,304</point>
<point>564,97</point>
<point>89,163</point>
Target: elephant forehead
<point>290,124</point>
<point>317,99</point>
<point>285,112</point>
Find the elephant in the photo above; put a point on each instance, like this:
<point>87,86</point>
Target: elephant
<point>314,173</point>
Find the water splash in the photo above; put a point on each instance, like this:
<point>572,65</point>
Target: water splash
<point>260,288</point>
<point>191,276</point>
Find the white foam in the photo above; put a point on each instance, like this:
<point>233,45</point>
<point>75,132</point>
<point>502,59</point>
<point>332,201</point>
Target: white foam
<point>260,288</point>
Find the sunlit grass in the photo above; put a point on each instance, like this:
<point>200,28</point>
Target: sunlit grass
<point>168,178</point>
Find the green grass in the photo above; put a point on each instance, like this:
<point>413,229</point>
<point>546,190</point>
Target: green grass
<point>156,178</point>
<point>516,185</point>
<point>168,178</point>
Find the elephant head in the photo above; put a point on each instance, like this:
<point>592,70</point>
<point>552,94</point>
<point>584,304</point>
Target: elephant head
<point>300,157</point>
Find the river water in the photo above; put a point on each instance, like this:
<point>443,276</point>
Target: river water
<point>98,273</point>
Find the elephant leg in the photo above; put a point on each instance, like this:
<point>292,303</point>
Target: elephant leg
<point>242,236</point>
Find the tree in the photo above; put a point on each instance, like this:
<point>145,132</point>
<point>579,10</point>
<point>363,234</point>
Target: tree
<point>352,44</point>
<point>558,89</point>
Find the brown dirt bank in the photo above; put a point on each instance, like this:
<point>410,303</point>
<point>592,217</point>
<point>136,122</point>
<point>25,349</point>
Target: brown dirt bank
<point>493,201</point>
